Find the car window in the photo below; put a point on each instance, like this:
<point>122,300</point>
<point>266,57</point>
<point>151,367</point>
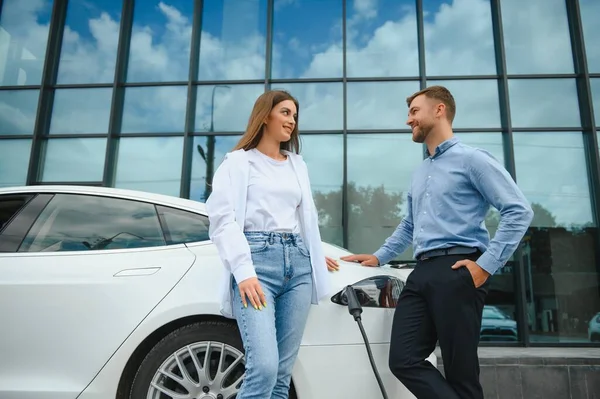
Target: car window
<point>73,222</point>
<point>10,205</point>
<point>181,226</point>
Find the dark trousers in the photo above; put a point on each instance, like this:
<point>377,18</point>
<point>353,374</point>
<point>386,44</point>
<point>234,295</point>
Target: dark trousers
<point>439,303</point>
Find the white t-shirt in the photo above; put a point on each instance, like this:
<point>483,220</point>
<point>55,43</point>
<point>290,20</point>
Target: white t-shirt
<point>273,195</point>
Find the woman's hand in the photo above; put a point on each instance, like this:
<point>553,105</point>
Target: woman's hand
<point>332,264</point>
<point>251,289</point>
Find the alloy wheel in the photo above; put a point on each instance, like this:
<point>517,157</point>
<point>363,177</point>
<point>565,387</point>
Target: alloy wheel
<point>203,370</point>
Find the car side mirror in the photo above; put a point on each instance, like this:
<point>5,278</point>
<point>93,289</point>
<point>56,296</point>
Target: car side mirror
<point>374,292</point>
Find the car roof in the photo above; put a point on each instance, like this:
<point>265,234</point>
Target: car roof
<point>161,199</point>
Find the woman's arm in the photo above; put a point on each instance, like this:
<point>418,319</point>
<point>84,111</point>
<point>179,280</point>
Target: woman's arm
<point>224,231</point>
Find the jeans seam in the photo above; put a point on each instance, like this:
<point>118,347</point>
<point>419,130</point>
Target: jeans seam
<point>248,352</point>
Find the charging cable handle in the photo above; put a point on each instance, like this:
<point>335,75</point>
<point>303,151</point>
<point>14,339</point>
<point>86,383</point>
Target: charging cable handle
<point>355,309</point>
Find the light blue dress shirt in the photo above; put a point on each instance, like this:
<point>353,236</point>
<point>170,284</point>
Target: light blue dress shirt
<point>449,197</point>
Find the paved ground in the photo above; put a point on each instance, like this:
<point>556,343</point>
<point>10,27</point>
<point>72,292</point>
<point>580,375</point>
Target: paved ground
<point>539,373</point>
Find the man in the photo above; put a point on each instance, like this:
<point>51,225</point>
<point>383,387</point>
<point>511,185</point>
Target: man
<point>443,299</point>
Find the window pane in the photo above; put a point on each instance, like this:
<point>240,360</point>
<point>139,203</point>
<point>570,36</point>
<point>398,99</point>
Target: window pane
<point>18,109</point>
<point>543,103</point>
<point>559,256</point>
<point>151,164</point>
<point>81,111</point>
<point>381,39</point>
<point>303,52</point>
<point>595,84</point>
<point>377,105</point>
<point>321,104</point>
<point>566,193</point>
<point>86,223</point>
<point>324,156</point>
<point>90,40</point>
<point>232,45</point>
<point>160,41</point>
<point>182,227</point>
<point>458,38</point>
<point>477,102</point>
<point>207,154</point>
<point>74,160</point>
<point>590,9</point>
<point>14,161</point>
<point>23,37</point>
<point>10,205</point>
<point>225,108</point>
<point>154,110</point>
<point>377,193</point>
<point>536,36</point>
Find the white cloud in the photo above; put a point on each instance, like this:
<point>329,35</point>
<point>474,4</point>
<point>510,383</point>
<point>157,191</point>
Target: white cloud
<point>17,111</point>
<point>366,8</point>
<point>459,41</point>
<point>26,42</point>
<point>536,36</point>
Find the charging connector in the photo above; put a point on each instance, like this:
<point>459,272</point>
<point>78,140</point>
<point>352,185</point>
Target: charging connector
<point>355,309</point>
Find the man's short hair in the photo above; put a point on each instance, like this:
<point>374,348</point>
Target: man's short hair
<point>439,93</point>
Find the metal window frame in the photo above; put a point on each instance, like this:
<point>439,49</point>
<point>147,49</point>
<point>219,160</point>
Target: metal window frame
<point>46,96</point>
<point>509,160</point>
<point>190,111</point>
<point>118,94</point>
<point>586,112</point>
<point>345,197</point>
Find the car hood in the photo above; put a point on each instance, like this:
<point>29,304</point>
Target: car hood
<point>498,323</point>
<point>356,270</point>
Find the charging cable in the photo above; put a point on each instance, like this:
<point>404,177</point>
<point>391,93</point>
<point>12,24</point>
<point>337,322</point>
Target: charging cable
<point>355,309</point>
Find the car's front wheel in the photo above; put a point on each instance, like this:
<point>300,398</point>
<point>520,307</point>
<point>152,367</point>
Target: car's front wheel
<point>204,358</point>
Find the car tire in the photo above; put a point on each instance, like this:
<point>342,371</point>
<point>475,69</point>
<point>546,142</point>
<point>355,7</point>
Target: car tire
<point>195,336</point>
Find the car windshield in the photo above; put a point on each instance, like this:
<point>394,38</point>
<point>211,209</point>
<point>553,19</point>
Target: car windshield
<point>491,313</point>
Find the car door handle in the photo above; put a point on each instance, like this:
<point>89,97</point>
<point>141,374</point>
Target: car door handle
<point>142,271</point>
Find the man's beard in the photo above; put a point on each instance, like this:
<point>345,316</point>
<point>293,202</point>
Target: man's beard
<point>421,133</point>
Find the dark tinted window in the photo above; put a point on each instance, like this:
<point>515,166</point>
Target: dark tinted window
<point>9,207</point>
<point>181,226</point>
<point>83,223</point>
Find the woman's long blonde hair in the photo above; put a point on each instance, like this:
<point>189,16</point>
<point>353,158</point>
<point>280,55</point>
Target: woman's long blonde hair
<point>256,123</point>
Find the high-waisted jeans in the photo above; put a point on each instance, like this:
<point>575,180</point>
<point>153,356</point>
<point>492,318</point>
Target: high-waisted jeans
<point>272,336</point>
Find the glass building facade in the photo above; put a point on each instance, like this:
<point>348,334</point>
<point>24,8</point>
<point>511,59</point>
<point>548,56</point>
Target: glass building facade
<point>149,95</point>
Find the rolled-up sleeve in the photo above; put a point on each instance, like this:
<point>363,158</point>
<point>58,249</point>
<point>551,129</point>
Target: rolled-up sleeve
<point>400,239</point>
<point>224,231</point>
<point>497,186</point>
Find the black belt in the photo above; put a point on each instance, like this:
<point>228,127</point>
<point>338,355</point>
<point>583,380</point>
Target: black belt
<point>447,251</point>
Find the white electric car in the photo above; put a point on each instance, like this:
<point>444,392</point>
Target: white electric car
<point>108,293</point>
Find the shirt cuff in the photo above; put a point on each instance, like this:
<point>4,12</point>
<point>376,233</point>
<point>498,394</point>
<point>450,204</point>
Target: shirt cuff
<point>383,256</point>
<point>488,263</point>
<point>244,272</point>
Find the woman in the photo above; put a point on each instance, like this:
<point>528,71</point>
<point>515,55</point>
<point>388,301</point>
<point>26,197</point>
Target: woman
<point>265,225</point>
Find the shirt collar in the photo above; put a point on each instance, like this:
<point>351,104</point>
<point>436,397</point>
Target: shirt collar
<point>443,147</point>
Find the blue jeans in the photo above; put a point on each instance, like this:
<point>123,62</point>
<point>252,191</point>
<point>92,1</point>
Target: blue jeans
<point>272,336</point>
